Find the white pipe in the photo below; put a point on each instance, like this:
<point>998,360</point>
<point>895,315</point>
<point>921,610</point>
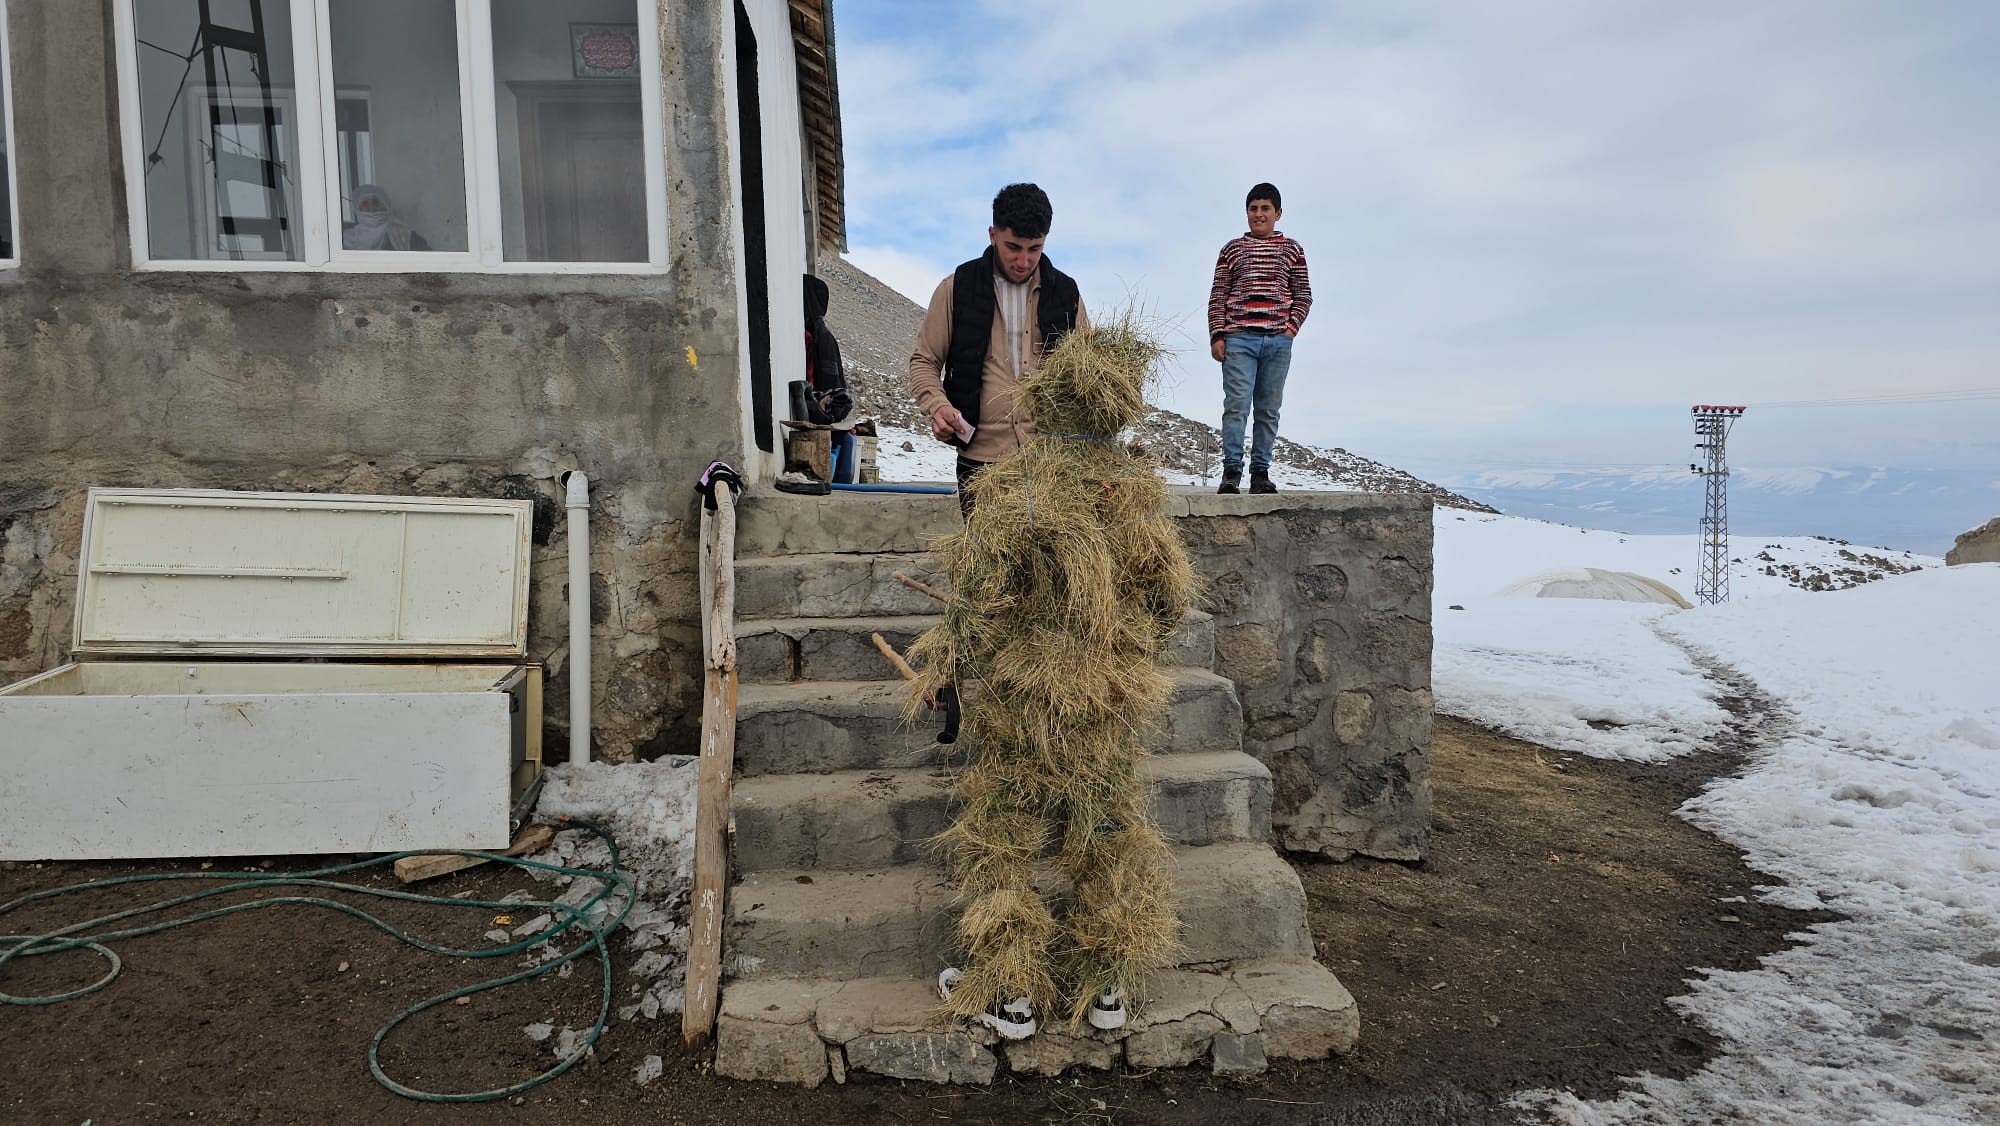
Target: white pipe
<point>579,615</point>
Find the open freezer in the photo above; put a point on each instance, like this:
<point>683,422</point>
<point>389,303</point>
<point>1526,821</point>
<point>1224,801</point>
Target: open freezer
<point>264,673</point>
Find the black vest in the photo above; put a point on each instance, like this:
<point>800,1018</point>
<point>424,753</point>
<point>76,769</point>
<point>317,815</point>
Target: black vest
<point>973,303</point>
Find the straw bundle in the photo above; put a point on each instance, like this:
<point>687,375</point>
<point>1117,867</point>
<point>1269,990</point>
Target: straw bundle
<point>1067,584</point>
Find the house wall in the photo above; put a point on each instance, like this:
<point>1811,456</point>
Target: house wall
<point>446,384</point>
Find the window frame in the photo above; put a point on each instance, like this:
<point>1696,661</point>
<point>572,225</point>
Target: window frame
<point>13,147</point>
<point>315,97</point>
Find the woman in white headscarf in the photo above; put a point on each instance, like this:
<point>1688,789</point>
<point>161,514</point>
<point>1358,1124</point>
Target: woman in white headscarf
<point>376,227</point>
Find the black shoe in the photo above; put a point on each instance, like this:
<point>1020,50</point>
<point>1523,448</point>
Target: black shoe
<point>1231,478</point>
<point>1260,481</point>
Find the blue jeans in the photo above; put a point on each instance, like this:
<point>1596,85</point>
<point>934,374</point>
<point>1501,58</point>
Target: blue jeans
<point>1254,365</point>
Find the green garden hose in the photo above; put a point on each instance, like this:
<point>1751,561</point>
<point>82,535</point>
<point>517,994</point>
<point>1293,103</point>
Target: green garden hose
<point>74,937</point>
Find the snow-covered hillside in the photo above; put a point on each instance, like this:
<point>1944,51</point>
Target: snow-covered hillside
<point>1872,789</point>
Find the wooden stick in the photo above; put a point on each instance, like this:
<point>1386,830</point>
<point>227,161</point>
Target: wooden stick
<point>712,785</point>
<point>895,658</point>
<point>920,585</point>
<point>410,869</point>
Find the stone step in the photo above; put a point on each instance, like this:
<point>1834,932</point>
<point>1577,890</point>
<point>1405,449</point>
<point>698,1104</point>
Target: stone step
<point>1236,900</point>
<point>816,726</point>
<point>800,1030</point>
<point>872,819</point>
<point>776,650</point>
<point>775,523</point>
<point>833,585</point>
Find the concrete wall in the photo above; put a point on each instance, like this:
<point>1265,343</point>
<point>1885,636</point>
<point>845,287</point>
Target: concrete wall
<point>1322,606</point>
<point>458,384</point>
<point>1980,545</point>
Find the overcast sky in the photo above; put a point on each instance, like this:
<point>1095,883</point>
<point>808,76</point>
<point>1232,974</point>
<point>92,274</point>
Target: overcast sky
<point>1538,230</point>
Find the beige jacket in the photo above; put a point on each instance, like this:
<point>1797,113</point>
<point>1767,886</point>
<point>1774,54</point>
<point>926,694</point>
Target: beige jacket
<point>1005,421</point>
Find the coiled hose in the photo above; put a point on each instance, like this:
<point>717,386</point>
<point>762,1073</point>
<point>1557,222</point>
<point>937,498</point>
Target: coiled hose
<point>85,936</point>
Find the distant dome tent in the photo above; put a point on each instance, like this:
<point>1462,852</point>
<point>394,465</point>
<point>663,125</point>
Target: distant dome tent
<point>1595,582</point>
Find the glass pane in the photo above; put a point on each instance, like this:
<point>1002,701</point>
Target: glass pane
<point>572,147</point>
<point>218,109</point>
<point>397,125</point>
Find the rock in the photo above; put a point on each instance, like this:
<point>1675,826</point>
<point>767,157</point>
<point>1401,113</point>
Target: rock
<point>1175,995</point>
<point>836,1063</point>
<point>1173,1044</point>
<point>650,1068</point>
<point>765,1031</point>
<point>929,1057</point>
<point>777,1053</point>
<point>1303,1010</point>
<point>1239,1054</point>
<point>1052,1053</point>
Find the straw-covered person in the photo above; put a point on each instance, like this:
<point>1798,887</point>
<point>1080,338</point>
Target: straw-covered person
<point>1256,305</point>
<point>1067,581</point>
<point>988,326</point>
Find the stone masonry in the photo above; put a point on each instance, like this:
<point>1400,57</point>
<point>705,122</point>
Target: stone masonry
<point>1980,545</point>
<point>840,919</point>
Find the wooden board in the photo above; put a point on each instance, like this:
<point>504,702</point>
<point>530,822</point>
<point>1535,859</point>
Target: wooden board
<point>531,838</point>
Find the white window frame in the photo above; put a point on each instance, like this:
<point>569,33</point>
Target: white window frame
<point>319,161</point>
<point>13,147</point>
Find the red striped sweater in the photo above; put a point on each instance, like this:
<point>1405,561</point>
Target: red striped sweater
<point>1260,284</point>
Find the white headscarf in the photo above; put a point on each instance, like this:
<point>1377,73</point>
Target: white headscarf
<point>374,230</point>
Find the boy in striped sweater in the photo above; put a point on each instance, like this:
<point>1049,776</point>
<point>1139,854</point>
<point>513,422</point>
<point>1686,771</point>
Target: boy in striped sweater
<point>1256,306</point>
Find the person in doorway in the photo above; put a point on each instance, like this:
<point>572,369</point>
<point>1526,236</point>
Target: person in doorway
<point>988,325</point>
<point>376,226</point>
<point>1256,306</point>
<point>826,380</point>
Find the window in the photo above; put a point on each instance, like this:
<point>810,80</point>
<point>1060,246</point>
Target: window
<point>393,134</point>
<point>8,254</point>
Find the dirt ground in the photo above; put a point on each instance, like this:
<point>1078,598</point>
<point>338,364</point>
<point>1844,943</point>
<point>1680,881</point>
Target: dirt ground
<point>1563,903</point>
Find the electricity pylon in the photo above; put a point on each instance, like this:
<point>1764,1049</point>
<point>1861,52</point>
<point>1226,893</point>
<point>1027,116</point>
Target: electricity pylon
<point>1711,427</point>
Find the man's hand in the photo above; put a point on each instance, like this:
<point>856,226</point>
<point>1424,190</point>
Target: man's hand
<point>1217,346</point>
<point>1291,331</point>
<point>945,422</point>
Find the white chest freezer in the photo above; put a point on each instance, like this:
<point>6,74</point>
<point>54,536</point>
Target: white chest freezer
<point>275,673</point>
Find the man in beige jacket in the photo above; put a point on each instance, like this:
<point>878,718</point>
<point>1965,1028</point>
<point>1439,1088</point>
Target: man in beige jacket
<point>987,327</point>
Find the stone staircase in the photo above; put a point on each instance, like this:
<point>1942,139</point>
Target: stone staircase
<point>840,918</point>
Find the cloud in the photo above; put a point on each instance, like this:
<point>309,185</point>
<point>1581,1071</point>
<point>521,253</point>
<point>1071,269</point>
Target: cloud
<point>1519,216</point>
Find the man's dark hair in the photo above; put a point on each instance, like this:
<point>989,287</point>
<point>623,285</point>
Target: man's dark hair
<point>1265,191</point>
<point>1023,209</point>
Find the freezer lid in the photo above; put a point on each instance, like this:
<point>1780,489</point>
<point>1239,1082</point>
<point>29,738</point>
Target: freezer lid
<point>167,571</point>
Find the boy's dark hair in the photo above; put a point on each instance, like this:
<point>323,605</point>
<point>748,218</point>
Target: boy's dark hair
<point>1265,191</point>
<point>1023,209</point>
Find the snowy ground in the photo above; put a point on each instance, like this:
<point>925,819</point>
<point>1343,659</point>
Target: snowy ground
<point>1875,793</point>
<point>648,808</point>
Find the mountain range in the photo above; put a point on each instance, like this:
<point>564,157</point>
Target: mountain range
<point>1911,509</point>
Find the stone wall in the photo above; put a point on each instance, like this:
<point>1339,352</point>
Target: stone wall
<point>1980,545</point>
<point>1322,605</point>
<point>429,384</point>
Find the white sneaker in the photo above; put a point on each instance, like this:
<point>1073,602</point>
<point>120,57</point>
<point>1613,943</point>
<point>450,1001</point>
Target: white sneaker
<point>1108,1011</point>
<point>1013,1020</point>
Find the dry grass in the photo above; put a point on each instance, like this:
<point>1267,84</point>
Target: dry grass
<point>1068,583</point>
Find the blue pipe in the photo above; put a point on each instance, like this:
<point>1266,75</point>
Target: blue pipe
<point>944,490</point>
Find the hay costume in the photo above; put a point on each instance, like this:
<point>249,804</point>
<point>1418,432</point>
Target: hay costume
<point>1068,582</point>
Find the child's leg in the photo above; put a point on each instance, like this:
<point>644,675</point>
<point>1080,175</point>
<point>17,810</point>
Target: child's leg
<point>1239,381</point>
<point>1274,363</point>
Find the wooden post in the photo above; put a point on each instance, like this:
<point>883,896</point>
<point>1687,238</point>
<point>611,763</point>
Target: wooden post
<point>920,585</point>
<point>718,755</point>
